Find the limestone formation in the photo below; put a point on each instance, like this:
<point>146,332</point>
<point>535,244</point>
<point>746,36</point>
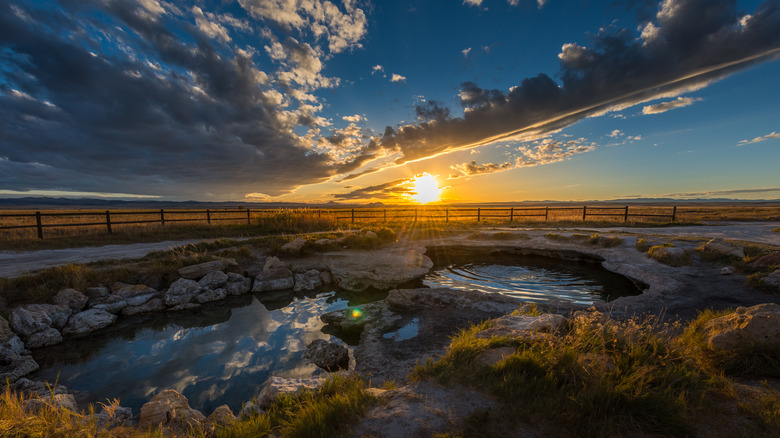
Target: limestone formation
<point>213,280</point>
<point>111,303</point>
<point>275,386</point>
<point>308,280</point>
<point>237,284</point>
<point>195,272</point>
<point>327,355</point>
<point>523,326</point>
<point>14,366</point>
<point>354,271</point>
<point>153,305</point>
<point>171,410</point>
<point>294,246</point>
<point>32,318</point>
<point>88,321</point>
<point>751,327</point>
<point>182,291</point>
<point>209,295</point>
<point>71,298</point>
<point>35,387</point>
<point>276,278</point>
<point>720,246</point>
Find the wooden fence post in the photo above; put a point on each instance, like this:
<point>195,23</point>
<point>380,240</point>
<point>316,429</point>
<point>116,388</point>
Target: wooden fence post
<point>319,214</point>
<point>208,216</point>
<point>353,215</point>
<point>446,214</point>
<point>162,217</point>
<point>248,219</point>
<point>479,214</point>
<point>384,215</point>
<point>38,222</point>
<point>108,221</point>
<point>415,215</point>
<point>674,213</point>
<point>584,212</point>
<point>546,213</point>
<point>625,216</point>
<point>511,214</point>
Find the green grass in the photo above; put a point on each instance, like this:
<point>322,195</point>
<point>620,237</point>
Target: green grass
<point>617,379</point>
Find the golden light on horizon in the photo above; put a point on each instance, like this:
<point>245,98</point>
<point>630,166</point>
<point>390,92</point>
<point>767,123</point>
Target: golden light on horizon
<point>425,188</point>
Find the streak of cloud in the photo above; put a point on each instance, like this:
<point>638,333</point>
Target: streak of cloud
<point>770,136</point>
<point>670,105</point>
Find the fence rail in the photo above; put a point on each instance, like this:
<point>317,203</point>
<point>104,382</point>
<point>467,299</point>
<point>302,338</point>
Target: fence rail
<point>108,219</point>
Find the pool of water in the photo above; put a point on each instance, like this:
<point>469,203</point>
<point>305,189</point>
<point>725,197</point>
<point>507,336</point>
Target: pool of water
<point>219,354</point>
<point>534,280</point>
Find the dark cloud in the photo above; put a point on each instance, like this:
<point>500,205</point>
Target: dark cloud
<point>389,190</point>
<point>690,43</point>
<point>431,110</point>
<point>472,168</point>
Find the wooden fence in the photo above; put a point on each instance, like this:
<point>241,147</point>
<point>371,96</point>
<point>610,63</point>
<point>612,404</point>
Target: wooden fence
<point>110,219</point>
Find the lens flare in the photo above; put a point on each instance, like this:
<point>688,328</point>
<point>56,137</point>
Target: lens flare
<point>356,313</point>
<point>426,189</point>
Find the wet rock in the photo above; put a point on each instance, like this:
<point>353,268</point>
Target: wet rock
<point>493,356</point>
<point>71,298</point>
<point>182,291</point>
<point>171,410</point>
<point>88,321</point>
<point>277,278</point>
<point>211,295</point>
<point>44,338</point>
<point>237,284</point>
<point>222,416</point>
<point>294,246</point>
<point>752,327</point>
<point>184,306</point>
<point>327,355</point>
<point>523,326</point>
<point>14,366</point>
<point>110,303</point>
<point>96,291</point>
<point>8,339</point>
<point>114,416</point>
<point>153,305</point>
<point>195,272</point>
<point>36,387</point>
<point>773,279</point>
<point>411,299</point>
<point>720,246</point>
<point>308,280</point>
<point>767,261</point>
<point>279,385</point>
<point>354,318</point>
<point>356,271</point>
<point>213,280</point>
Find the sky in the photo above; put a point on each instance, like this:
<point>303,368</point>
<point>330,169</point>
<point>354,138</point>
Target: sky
<point>353,101</point>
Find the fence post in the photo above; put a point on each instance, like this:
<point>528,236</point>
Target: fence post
<point>162,217</point>
<point>208,216</point>
<point>446,214</point>
<point>479,214</point>
<point>415,214</point>
<point>319,214</point>
<point>40,226</point>
<point>384,215</point>
<point>625,216</point>
<point>674,213</point>
<point>108,221</point>
<point>546,213</point>
<point>584,212</point>
<point>511,214</point>
<point>248,219</point>
<point>353,215</point>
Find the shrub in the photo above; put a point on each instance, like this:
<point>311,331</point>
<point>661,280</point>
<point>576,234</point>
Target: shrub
<point>663,254</point>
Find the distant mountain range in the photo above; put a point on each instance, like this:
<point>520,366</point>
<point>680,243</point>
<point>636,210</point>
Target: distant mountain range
<point>47,202</point>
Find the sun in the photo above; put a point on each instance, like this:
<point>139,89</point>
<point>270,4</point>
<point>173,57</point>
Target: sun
<point>425,189</point>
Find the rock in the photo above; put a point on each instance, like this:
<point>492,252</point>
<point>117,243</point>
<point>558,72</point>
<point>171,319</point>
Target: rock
<point>720,246</point>
<point>184,306</point>
<point>411,299</point>
<point>249,409</point>
<point>44,338</point>
<point>294,246</point>
<point>273,262</point>
<point>195,272</point>
<point>323,242</point>
<point>772,279</point>
<point>326,278</point>
<point>88,321</point>
<point>356,271</point>
<point>238,284</point>
<point>153,305</point>
<point>213,280</point>
<point>327,355</point>
<point>221,416</point>
<point>370,234</point>
<point>493,356</point>
<point>671,252</point>
<point>169,409</point>
<point>35,387</point>
<point>65,401</point>
<point>140,300</point>
<point>274,279</point>
<point>211,295</point>
<point>114,416</point>
<point>308,281</point>
<point>9,339</point>
<point>767,261</point>
<point>26,320</point>
<point>275,386</point>
<point>523,326</point>
<point>752,327</point>
<point>14,366</point>
<point>131,290</point>
<point>110,303</point>
<point>727,270</point>
<point>354,318</point>
<point>96,291</point>
<point>71,298</point>
<point>182,291</point>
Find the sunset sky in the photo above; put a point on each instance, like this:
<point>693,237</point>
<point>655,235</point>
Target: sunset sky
<point>317,101</point>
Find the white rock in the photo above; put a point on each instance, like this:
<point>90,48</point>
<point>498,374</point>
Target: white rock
<point>88,321</point>
<point>211,295</point>
<point>110,303</point>
<point>182,291</point>
<point>274,279</point>
<point>195,272</point>
<point>273,262</point>
<point>237,284</point>
<point>523,326</point>
<point>308,280</point>
<point>728,270</point>
<point>153,305</point>
<point>213,280</point>
<point>26,320</point>
<point>71,298</point>
<point>128,291</point>
<point>65,401</point>
<point>294,246</point>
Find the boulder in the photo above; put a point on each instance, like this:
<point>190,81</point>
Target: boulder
<point>195,272</point>
<point>88,321</point>
<point>35,387</point>
<point>308,280</point>
<point>523,326</point>
<point>326,277</point>
<point>213,280</point>
<point>65,401</point>
<point>752,327</point>
<point>767,261</point>
<point>356,271</point>
<point>110,303</point>
<point>140,300</point>
<point>294,246</point>
<point>323,242</point>
<point>222,416</point>
<point>71,298</point>
<point>277,278</point>
<point>8,339</point>
<point>96,291</point>
<point>171,410</point>
<point>114,416</point>
<point>273,262</point>
<point>14,366</point>
<point>153,305</point>
<point>44,338</point>
<point>26,320</point>
<point>327,355</point>
<point>211,295</point>
<point>275,386</point>
<point>237,284</point>
<point>720,246</point>
<point>134,294</point>
<point>182,291</point>
<point>773,279</point>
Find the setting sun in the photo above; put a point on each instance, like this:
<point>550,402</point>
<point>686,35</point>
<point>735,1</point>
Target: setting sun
<point>426,189</point>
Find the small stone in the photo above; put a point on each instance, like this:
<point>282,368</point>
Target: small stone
<point>50,336</point>
<point>26,320</point>
<point>727,270</point>
<point>213,280</point>
<point>169,409</point>
<point>294,246</point>
<point>71,298</point>
<point>327,355</point>
<point>88,321</point>
<point>153,305</point>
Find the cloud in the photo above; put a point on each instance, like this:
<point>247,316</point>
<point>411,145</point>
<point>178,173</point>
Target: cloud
<point>696,43</point>
<point>472,168</point>
<point>670,105</point>
<point>770,136</point>
<point>353,119</point>
<point>377,68</point>
<point>472,2</point>
<point>397,78</point>
<point>389,190</point>
<point>615,134</point>
<point>706,194</point>
<point>466,52</point>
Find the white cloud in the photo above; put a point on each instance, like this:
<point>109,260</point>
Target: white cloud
<point>377,68</point>
<point>211,28</point>
<point>615,134</point>
<point>770,136</point>
<point>397,78</point>
<point>670,105</point>
<point>466,52</point>
<point>354,119</point>
<point>472,2</point>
